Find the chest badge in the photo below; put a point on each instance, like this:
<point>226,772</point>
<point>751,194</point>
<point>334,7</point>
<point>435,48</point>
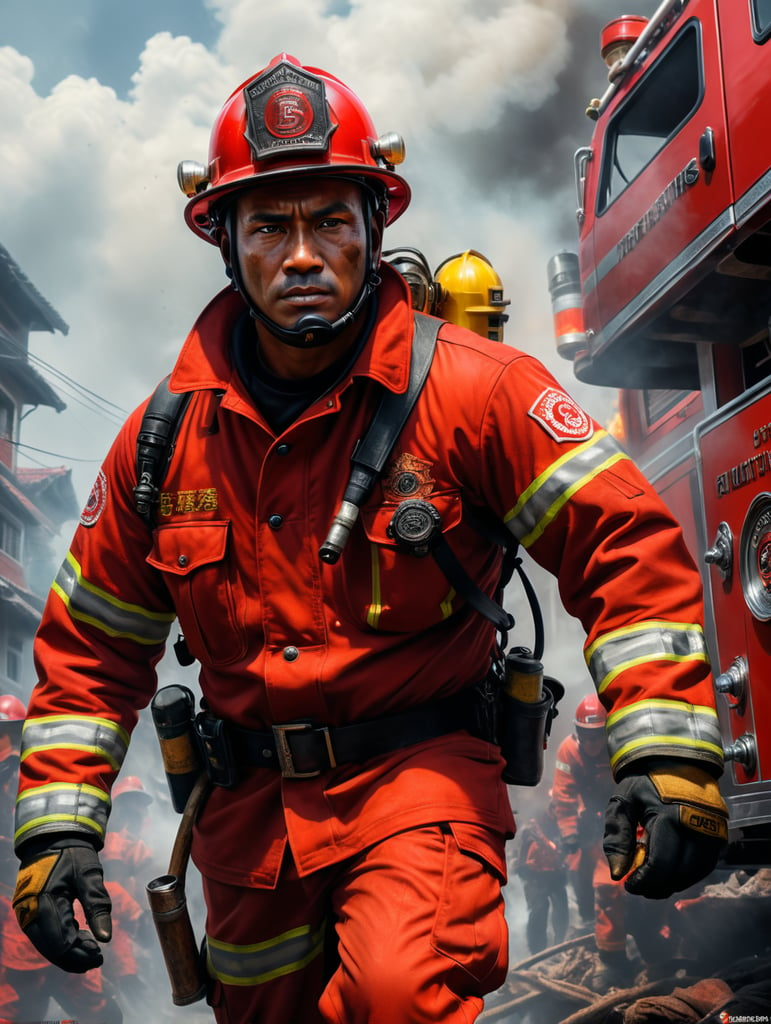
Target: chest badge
<point>408,477</point>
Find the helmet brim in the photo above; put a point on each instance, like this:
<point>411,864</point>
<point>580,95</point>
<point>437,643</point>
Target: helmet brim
<point>197,211</point>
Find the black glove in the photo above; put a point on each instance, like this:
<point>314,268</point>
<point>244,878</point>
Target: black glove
<point>51,877</point>
<point>686,824</point>
<point>569,844</point>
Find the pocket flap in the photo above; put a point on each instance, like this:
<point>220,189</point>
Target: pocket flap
<point>182,548</point>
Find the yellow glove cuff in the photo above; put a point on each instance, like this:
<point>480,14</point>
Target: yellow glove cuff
<point>702,808</point>
<point>30,883</point>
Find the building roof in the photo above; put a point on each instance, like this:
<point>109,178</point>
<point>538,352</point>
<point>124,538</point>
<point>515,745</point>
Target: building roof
<point>50,489</point>
<point>19,501</point>
<point>23,601</point>
<point>31,387</point>
<point>38,313</point>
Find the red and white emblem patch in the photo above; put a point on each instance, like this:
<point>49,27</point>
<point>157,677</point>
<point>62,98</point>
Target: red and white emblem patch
<point>560,417</point>
<point>97,500</point>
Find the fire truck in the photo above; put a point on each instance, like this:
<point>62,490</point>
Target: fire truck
<point>668,299</point>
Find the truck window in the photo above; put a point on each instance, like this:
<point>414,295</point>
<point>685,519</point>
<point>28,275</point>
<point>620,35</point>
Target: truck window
<point>662,102</point>
<point>761,19</point>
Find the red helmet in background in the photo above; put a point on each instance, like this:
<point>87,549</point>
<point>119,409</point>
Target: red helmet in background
<point>11,709</point>
<point>12,715</point>
<point>291,120</point>
<point>132,785</point>
<point>590,714</point>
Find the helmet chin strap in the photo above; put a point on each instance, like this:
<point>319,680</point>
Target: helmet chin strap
<point>311,330</point>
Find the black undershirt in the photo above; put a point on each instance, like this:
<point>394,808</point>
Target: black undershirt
<point>280,399</point>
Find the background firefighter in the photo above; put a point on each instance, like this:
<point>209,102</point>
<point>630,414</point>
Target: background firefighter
<point>539,864</point>
<point>580,792</point>
<point>353,851</point>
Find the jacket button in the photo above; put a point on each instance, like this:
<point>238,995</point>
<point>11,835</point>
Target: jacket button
<point>283,448</point>
<point>275,522</point>
<point>291,654</point>
<point>182,561</point>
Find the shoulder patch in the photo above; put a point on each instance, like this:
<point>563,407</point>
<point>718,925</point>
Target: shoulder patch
<point>561,417</point>
<point>97,500</point>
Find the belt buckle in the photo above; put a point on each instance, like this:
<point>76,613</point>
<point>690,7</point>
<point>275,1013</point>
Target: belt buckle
<point>284,750</point>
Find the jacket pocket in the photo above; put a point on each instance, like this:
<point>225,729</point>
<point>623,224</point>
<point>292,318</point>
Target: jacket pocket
<point>204,587</point>
<point>391,590</point>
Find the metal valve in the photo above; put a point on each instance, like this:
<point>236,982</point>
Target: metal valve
<point>734,681</point>
<point>743,751</point>
<point>721,554</point>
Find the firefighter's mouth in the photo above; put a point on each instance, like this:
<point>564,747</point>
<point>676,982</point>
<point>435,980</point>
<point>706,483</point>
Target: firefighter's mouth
<point>304,296</point>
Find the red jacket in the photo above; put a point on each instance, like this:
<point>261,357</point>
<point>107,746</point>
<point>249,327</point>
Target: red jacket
<point>281,636</point>
<point>581,788</point>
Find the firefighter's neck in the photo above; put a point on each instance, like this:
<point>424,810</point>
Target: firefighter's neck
<point>295,363</point>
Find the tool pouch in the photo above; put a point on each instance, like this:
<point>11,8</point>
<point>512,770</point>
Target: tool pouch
<point>220,762</point>
<point>523,730</point>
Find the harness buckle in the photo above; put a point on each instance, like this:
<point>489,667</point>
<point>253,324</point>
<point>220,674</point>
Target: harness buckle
<point>285,755</point>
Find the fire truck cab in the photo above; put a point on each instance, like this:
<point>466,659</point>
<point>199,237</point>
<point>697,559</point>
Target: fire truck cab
<point>668,298</point>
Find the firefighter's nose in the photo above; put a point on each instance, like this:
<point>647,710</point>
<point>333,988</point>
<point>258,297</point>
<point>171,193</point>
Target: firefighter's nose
<point>302,256</point>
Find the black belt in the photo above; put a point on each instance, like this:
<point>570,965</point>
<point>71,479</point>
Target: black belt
<point>302,750</point>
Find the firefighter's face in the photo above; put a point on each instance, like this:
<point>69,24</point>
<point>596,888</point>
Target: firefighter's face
<point>302,247</point>
<point>592,742</point>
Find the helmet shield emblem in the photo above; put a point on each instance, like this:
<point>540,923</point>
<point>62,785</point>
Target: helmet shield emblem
<point>286,110</point>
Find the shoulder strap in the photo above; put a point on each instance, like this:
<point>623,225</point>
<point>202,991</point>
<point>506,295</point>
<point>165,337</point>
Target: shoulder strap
<point>155,445</point>
<point>370,454</point>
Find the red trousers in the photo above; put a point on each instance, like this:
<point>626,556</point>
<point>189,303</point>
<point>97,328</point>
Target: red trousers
<point>412,931</point>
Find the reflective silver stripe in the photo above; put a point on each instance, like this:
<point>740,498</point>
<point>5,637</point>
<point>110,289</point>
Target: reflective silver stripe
<point>563,767</point>
<point>263,961</point>
<point>106,740</point>
<point>541,503</point>
<point>661,727</point>
<point>45,808</point>
<point>653,640</point>
<point>88,603</point>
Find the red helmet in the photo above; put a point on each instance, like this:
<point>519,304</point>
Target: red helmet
<point>11,709</point>
<point>291,119</point>
<point>590,714</point>
<point>131,784</point>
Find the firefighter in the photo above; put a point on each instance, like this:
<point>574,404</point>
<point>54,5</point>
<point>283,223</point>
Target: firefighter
<point>541,870</point>
<point>470,294</point>
<point>582,786</point>
<point>124,843</point>
<point>352,848</point>
<point>466,289</point>
<point>412,265</point>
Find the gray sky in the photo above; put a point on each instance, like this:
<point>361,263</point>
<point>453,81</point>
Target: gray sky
<point>101,99</point>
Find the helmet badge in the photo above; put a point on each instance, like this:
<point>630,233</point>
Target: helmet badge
<point>286,109</point>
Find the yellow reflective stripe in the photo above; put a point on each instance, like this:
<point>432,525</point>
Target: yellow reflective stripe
<point>91,734</point>
<point>88,603</point>
<point>653,727</point>
<point>641,643</point>
<point>61,803</point>
<point>542,501</point>
<point>446,605</point>
<point>376,607</point>
<point>259,962</point>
